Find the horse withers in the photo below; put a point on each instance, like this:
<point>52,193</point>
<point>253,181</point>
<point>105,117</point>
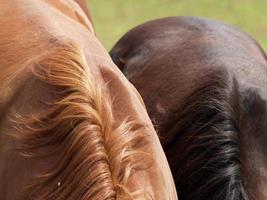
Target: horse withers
<point>204,84</point>
<point>71,125</point>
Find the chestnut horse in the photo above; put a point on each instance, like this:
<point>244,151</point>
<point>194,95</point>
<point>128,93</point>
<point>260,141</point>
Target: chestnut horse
<point>71,125</point>
<point>204,84</point>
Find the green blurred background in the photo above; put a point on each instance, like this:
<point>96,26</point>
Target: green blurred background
<point>113,18</point>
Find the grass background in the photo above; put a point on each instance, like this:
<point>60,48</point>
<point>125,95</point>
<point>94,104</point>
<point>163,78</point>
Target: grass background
<point>113,18</point>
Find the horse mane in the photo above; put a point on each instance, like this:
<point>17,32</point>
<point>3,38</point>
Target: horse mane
<point>97,155</point>
<point>207,162</point>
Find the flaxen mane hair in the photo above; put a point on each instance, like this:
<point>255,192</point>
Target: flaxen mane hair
<point>207,162</point>
<point>97,158</point>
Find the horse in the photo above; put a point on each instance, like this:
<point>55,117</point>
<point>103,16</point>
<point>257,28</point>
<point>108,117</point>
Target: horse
<point>204,84</point>
<point>71,125</point>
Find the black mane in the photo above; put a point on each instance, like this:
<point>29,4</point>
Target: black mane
<point>206,159</point>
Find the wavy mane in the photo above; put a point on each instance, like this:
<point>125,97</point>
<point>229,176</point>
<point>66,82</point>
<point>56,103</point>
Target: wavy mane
<point>97,157</point>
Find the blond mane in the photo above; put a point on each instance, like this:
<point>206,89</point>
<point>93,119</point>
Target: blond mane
<point>97,157</point>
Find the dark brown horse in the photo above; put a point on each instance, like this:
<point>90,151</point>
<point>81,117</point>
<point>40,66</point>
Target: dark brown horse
<point>204,84</point>
<point>71,125</point>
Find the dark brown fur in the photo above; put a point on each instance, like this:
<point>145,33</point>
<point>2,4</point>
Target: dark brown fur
<point>204,85</point>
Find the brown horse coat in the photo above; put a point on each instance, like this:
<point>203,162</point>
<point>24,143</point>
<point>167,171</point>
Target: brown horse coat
<point>48,53</point>
<point>204,86</point>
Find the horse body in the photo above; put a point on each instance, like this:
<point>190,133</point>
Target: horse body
<point>43,35</point>
<point>204,85</point>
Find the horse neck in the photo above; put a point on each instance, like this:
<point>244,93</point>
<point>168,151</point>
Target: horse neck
<point>157,179</point>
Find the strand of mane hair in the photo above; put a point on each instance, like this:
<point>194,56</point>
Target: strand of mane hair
<point>208,139</point>
<point>97,157</point>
